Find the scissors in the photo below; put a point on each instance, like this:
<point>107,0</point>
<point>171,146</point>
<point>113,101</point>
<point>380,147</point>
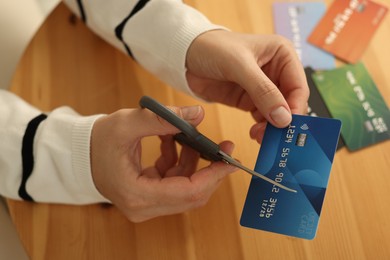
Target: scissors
<point>191,137</point>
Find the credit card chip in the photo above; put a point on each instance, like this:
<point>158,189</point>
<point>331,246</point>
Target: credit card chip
<point>301,140</point>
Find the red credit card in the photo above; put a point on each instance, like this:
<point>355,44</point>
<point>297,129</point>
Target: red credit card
<point>347,28</point>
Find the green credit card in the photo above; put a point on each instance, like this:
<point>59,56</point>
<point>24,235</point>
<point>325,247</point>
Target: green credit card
<point>352,96</point>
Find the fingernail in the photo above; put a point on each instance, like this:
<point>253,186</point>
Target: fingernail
<point>281,116</point>
<point>190,112</point>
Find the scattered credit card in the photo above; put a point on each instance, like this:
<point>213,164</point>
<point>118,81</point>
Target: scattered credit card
<point>299,156</point>
<point>347,28</point>
<point>352,96</point>
<point>295,21</point>
<point>317,106</point>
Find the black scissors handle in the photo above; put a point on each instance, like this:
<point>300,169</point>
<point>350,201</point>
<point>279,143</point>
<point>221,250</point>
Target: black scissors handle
<point>189,135</point>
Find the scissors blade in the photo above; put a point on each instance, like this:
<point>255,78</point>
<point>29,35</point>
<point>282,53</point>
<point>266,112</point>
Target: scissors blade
<point>228,159</point>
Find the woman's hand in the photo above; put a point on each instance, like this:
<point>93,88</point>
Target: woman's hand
<point>172,185</point>
<point>257,73</point>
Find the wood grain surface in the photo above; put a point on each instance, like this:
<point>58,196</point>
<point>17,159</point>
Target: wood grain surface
<point>66,64</point>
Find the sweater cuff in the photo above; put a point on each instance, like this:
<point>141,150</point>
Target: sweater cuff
<point>81,159</point>
<point>160,35</point>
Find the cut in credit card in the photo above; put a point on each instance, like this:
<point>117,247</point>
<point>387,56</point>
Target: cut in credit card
<point>300,157</point>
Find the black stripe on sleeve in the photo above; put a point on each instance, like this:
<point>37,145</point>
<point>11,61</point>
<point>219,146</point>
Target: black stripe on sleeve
<point>82,11</point>
<point>121,26</point>
<point>27,154</point>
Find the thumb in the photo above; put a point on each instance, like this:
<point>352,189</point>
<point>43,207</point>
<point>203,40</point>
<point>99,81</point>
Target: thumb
<point>150,124</point>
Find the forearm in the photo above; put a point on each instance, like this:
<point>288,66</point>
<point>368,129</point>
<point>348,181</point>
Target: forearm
<point>156,33</point>
<point>59,155</point>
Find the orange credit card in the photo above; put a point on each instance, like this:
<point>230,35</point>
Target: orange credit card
<point>347,28</point>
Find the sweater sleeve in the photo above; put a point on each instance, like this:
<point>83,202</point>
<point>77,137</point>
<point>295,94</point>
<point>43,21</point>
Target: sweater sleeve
<point>61,154</point>
<point>156,33</point>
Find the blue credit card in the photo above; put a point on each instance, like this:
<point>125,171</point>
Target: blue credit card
<point>295,21</point>
<point>299,157</point>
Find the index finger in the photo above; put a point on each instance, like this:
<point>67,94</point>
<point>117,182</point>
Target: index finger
<point>294,87</point>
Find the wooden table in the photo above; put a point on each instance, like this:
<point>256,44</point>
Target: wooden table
<point>66,64</point>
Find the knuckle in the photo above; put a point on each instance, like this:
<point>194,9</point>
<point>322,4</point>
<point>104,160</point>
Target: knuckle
<point>266,89</point>
<point>283,41</point>
<point>306,93</point>
<point>285,47</point>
